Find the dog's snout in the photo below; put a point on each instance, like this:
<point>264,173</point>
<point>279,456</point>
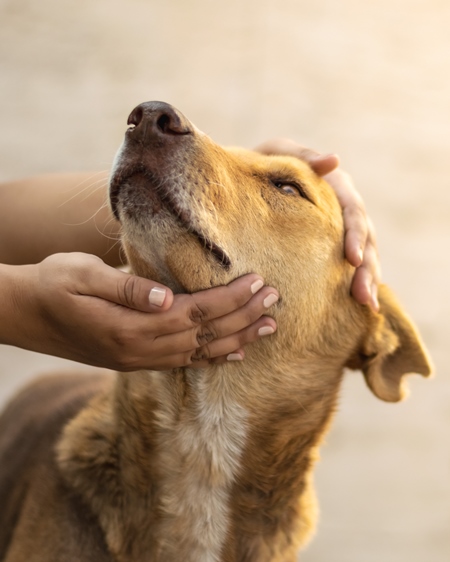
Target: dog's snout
<point>158,118</point>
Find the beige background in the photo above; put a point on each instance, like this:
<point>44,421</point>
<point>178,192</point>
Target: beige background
<point>368,80</point>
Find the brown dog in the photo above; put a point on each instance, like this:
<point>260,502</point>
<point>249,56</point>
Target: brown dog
<point>210,465</point>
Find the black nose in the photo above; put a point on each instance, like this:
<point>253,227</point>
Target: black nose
<point>158,118</point>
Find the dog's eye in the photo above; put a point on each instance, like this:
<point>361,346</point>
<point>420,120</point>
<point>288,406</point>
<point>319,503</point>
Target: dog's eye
<point>290,188</point>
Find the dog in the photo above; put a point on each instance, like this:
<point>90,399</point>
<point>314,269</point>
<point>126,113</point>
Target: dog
<point>209,465</point>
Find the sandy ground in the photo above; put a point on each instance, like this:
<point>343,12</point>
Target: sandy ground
<point>368,80</point>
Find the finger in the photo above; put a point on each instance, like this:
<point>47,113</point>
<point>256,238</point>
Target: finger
<point>125,289</point>
<point>364,290</point>
<point>354,213</point>
<point>287,147</point>
<point>321,164</point>
<point>372,259</point>
<point>225,349</point>
<point>324,164</point>
<point>360,243</point>
<point>238,320</point>
<point>236,355</point>
<point>356,232</point>
<point>367,277</point>
<point>214,303</point>
<point>264,326</point>
<point>361,285</point>
<point>190,311</point>
<point>279,146</point>
<point>224,326</point>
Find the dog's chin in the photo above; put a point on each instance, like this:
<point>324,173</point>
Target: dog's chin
<point>156,272</point>
<point>181,264</point>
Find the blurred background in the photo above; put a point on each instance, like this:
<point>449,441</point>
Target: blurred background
<point>367,80</point>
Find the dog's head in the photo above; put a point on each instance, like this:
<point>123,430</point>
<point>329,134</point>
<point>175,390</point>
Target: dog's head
<point>196,215</point>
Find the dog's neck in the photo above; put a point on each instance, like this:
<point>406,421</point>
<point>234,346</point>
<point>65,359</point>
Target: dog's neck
<point>207,465</point>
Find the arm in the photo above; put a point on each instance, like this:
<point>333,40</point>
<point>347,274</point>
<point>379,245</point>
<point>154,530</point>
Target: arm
<point>48,214</point>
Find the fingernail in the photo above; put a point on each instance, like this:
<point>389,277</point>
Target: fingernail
<point>256,286</point>
<point>157,296</point>
<point>270,300</point>
<point>360,255</point>
<point>234,357</point>
<point>265,331</point>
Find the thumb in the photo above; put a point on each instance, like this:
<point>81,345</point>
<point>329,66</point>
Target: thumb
<point>128,290</point>
<point>321,164</point>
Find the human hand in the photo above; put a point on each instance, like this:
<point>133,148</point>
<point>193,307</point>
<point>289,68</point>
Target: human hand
<point>360,241</point>
<point>75,306</point>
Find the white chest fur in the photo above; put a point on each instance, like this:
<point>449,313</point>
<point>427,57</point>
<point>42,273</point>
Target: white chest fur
<point>200,448</point>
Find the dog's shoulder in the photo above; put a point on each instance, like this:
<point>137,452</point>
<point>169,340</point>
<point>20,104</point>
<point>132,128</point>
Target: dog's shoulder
<point>42,407</point>
<point>29,428</point>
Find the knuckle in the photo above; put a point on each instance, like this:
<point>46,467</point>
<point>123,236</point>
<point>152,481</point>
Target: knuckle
<point>201,354</point>
<point>235,296</point>
<point>205,334</point>
<point>125,364</point>
<point>58,268</point>
<point>197,314</point>
<point>307,154</point>
<point>240,299</point>
<point>122,352</point>
<point>360,208</point>
<point>180,314</point>
<point>119,338</point>
<point>127,291</point>
<point>245,336</point>
<point>187,359</point>
<point>252,313</point>
<point>122,340</point>
<point>122,360</point>
<point>355,213</point>
<point>253,310</point>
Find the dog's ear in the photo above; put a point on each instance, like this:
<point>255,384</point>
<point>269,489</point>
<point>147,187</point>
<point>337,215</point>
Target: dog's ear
<point>391,349</point>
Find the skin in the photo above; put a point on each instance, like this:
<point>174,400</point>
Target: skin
<point>63,296</point>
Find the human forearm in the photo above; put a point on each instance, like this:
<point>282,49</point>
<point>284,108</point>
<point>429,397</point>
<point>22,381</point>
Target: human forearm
<point>47,214</point>
<point>14,329</point>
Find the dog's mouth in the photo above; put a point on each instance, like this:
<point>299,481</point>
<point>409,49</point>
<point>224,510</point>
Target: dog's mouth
<point>165,198</point>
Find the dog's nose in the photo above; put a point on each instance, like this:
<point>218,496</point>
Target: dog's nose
<point>158,118</point>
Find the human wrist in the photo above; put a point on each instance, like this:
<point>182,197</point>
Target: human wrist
<point>15,284</point>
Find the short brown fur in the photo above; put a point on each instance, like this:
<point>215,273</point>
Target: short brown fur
<point>212,465</point>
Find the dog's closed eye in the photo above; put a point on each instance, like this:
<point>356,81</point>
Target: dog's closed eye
<point>291,188</point>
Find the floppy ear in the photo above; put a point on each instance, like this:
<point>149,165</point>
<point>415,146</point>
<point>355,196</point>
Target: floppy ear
<point>391,349</point>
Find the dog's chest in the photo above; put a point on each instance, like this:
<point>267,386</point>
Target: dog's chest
<point>200,448</point>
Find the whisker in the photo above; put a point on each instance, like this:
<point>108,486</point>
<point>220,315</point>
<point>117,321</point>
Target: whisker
<point>89,218</point>
<point>102,182</point>
<point>93,191</point>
